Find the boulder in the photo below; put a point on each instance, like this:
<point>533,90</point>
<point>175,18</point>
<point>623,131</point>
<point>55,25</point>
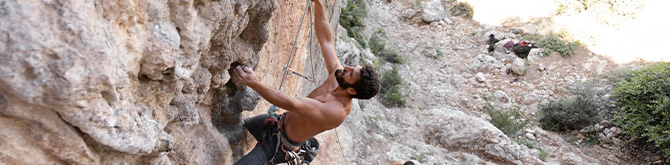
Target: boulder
<point>460,131</point>
<point>499,47</point>
<point>486,36</point>
<point>480,77</point>
<point>502,56</point>
<point>518,66</point>
<point>530,136</point>
<point>501,96</point>
<point>533,97</point>
<point>484,63</point>
<point>448,21</point>
<point>433,11</point>
<point>605,123</point>
<point>571,158</point>
<point>587,129</point>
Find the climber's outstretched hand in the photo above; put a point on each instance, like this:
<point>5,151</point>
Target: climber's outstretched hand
<point>245,75</point>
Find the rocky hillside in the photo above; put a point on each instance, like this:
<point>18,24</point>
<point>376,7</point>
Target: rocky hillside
<point>449,77</point>
<point>137,82</point>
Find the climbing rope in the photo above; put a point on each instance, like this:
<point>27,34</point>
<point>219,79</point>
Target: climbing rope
<point>273,109</point>
<point>295,41</point>
<point>312,62</point>
<point>341,150</point>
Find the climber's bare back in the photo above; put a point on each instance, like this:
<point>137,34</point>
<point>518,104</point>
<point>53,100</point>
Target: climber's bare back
<point>300,128</point>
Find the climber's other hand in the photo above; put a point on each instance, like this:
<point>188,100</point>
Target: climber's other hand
<point>245,75</point>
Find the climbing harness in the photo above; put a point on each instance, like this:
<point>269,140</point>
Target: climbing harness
<point>290,151</point>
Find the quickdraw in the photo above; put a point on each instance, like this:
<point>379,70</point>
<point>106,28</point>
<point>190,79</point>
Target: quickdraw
<point>310,79</point>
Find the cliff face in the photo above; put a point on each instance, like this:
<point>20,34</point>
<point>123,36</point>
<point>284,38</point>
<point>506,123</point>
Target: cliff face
<point>141,82</point>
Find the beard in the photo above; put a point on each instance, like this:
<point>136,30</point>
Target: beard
<point>340,79</point>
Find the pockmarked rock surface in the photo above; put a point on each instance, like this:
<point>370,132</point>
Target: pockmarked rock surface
<point>139,82</point>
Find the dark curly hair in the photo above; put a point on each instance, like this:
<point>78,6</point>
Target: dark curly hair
<point>367,85</point>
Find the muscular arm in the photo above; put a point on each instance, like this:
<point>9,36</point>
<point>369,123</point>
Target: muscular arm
<point>304,106</point>
<point>325,37</point>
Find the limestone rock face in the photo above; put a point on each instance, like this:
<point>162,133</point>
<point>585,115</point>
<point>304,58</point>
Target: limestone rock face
<point>139,82</point>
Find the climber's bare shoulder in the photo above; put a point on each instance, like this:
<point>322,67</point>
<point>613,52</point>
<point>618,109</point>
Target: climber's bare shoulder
<point>329,114</point>
<point>334,108</point>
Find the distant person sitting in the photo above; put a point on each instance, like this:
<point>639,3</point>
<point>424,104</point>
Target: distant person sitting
<point>406,162</point>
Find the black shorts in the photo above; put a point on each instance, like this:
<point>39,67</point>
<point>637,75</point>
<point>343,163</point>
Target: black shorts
<point>266,134</point>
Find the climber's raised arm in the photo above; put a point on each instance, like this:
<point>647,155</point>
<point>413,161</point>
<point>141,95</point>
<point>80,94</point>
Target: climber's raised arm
<point>308,107</point>
<point>325,37</point>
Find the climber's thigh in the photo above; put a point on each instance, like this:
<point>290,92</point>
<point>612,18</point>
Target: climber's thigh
<point>255,125</point>
<point>255,157</point>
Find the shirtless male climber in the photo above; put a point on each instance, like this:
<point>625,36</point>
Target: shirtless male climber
<point>289,137</point>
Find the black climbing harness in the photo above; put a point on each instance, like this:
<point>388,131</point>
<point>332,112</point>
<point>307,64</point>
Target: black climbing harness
<point>286,151</point>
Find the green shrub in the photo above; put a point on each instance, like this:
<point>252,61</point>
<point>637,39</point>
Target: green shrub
<point>351,18</point>
<point>543,154</point>
<point>551,43</point>
<point>435,54</point>
<point>508,121</point>
<point>554,43</point>
<point>378,47</point>
<point>618,74</point>
<point>377,43</point>
<point>438,53</point>
<point>390,92</point>
<point>417,3</point>
<point>392,56</point>
<point>421,157</point>
<point>463,8</point>
<point>573,113</point>
<point>528,143</point>
<point>643,100</point>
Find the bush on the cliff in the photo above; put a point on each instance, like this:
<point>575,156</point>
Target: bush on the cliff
<point>553,42</point>
<point>378,47</point>
<point>351,18</point>
<point>390,92</point>
<point>377,42</point>
<point>509,121</point>
<point>573,113</point>
<point>463,8</point>
<point>643,101</point>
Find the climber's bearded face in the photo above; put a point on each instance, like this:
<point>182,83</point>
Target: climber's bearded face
<point>347,77</point>
<point>340,79</point>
